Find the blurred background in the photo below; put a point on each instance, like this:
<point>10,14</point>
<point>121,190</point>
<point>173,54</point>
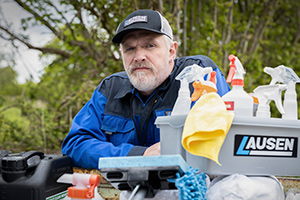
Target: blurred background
<point>55,52</point>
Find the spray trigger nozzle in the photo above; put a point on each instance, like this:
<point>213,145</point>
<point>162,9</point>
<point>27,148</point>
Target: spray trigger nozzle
<point>84,185</point>
<point>282,74</point>
<point>266,93</point>
<point>236,70</point>
<point>188,75</point>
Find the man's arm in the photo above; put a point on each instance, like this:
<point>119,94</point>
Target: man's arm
<point>86,142</point>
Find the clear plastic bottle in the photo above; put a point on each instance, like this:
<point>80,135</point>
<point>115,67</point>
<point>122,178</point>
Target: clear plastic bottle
<point>183,102</point>
<point>237,100</point>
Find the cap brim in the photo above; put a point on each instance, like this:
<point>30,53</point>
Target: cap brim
<point>119,37</point>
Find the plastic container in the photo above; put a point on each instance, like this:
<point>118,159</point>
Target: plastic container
<point>290,103</point>
<point>170,134</point>
<point>33,175</point>
<point>253,146</point>
<point>237,100</point>
<point>183,101</point>
<point>170,139</point>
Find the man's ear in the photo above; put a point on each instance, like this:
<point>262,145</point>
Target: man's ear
<point>173,50</point>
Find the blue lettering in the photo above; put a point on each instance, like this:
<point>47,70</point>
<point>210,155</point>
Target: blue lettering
<point>241,150</point>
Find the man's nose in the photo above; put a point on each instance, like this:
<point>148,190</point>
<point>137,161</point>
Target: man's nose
<point>139,55</point>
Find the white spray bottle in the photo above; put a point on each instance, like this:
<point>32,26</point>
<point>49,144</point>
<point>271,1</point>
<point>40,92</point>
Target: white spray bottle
<point>187,75</point>
<point>265,94</point>
<point>85,186</point>
<point>287,76</point>
<point>237,100</point>
<point>202,86</point>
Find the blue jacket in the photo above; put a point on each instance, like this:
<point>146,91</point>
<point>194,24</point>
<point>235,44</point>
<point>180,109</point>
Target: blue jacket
<point>104,127</point>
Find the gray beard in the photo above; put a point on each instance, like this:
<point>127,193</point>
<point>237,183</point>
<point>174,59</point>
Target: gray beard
<point>144,83</point>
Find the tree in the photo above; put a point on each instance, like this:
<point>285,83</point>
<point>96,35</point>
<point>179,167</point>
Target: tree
<point>260,32</point>
<point>8,81</point>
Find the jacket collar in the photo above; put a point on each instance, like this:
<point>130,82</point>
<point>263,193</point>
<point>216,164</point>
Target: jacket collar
<point>125,89</point>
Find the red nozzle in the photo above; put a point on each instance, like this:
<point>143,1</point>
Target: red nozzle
<point>231,58</point>
<point>232,68</point>
<point>94,182</point>
<point>213,77</point>
<point>85,193</point>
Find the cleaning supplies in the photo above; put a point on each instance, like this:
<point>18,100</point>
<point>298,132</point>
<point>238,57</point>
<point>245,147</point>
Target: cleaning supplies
<point>187,75</point>
<point>237,100</point>
<point>290,96</point>
<point>192,185</point>
<point>183,102</point>
<point>265,94</point>
<point>85,186</point>
<point>206,127</point>
<point>287,76</point>
<point>201,88</point>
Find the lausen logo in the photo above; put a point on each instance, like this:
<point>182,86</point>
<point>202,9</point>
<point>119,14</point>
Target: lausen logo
<point>254,145</point>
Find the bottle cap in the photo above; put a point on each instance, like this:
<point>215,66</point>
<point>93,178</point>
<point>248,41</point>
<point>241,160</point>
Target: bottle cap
<point>237,82</point>
<point>85,193</point>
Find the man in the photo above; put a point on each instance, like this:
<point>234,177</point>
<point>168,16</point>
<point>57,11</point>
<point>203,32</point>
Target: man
<point>119,118</point>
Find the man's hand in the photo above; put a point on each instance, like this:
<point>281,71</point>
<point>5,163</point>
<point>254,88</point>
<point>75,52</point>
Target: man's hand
<point>153,150</point>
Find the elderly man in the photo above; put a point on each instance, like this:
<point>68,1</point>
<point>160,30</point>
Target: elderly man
<point>119,118</point>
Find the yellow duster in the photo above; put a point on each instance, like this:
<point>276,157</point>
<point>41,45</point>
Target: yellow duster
<point>206,127</point>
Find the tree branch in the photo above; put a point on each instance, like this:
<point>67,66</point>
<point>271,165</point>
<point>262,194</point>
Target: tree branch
<point>245,38</point>
<point>227,38</point>
<point>30,46</point>
<point>40,18</point>
<point>269,10</point>
<point>215,25</point>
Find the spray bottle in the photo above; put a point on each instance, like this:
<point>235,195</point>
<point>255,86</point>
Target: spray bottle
<point>286,76</point>
<point>187,75</point>
<point>265,94</point>
<point>85,186</point>
<point>237,100</point>
<point>201,87</point>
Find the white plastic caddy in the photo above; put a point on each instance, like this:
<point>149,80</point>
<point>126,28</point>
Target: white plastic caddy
<point>253,146</point>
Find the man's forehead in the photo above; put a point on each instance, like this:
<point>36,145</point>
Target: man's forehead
<point>147,35</point>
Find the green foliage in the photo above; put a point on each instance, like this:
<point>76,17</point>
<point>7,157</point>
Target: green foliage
<point>9,85</point>
<point>38,115</point>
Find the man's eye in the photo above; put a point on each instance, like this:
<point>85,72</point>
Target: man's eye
<point>129,49</point>
<point>150,46</point>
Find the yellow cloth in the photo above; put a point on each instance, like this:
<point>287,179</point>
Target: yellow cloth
<point>206,127</point>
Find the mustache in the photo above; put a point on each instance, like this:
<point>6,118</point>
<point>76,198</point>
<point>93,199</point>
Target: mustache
<point>135,66</point>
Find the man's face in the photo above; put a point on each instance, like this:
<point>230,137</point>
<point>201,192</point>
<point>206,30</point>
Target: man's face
<point>147,59</point>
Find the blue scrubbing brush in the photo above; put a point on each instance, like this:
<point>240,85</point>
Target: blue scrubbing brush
<point>191,185</point>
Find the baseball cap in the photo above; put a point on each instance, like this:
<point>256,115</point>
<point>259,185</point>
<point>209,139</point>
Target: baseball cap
<point>149,20</point>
